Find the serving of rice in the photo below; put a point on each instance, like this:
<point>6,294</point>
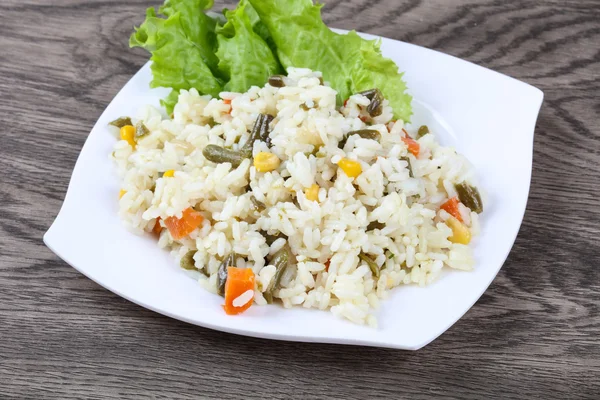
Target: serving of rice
<point>401,192</point>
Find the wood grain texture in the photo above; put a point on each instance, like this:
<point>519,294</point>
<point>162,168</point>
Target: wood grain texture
<point>535,333</point>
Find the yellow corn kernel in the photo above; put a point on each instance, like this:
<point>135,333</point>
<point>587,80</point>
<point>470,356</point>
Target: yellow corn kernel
<point>128,133</point>
<point>169,173</point>
<point>265,162</point>
<point>351,168</point>
<point>312,193</point>
<point>122,193</point>
<point>460,232</point>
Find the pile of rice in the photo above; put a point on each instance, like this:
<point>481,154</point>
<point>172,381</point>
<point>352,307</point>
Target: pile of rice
<point>325,236</point>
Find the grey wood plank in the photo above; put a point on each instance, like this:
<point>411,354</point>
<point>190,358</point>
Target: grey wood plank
<point>533,334</point>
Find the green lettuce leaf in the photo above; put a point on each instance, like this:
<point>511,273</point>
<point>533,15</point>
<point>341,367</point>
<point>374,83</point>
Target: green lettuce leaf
<point>197,25</point>
<point>169,102</point>
<point>177,57</point>
<point>257,25</point>
<point>351,64</point>
<point>194,48</point>
<point>245,58</point>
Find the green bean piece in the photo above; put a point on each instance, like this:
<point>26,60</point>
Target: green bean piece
<point>423,130</point>
<point>270,239</point>
<point>363,133</point>
<point>469,196</point>
<point>375,225</point>
<point>372,264</point>
<point>410,171</point>
<point>187,261</point>
<point>218,154</point>
<point>296,202</point>
<point>254,136</point>
<point>258,206</point>
<point>264,130</point>
<point>281,261</point>
<point>141,130</point>
<point>228,261</point>
<point>375,107</point>
<point>277,81</point>
<point>369,94</point>
<point>260,131</point>
<point>121,122</point>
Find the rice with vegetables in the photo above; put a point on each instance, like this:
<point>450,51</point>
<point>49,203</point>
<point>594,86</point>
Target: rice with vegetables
<point>278,195</point>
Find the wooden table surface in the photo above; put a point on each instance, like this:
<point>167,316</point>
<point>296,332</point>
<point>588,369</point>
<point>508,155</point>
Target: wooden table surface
<point>535,333</point>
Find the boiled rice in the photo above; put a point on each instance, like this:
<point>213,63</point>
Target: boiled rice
<point>327,235</point>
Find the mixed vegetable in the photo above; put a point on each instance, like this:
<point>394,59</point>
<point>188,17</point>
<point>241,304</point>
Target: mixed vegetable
<point>260,132</point>
<point>280,260</point>
<point>236,285</point>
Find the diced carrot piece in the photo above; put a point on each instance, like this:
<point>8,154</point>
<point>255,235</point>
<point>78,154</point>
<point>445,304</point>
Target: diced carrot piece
<point>451,207</point>
<point>327,265</point>
<point>181,227</point>
<point>346,102</point>
<point>413,145</point>
<point>364,118</point>
<point>157,227</point>
<point>239,281</point>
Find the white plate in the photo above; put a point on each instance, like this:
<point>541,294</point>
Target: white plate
<point>487,116</point>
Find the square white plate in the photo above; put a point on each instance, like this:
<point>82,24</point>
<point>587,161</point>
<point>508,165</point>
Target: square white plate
<point>487,116</point>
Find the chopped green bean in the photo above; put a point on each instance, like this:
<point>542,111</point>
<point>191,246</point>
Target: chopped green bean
<point>258,206</point>
<point>260,131</point>
<point>218,154</point>
<point>469,196</point>
<point>410,171</point>
<point>363,133</point>
<point>375,107</point>
<point>187,261</point>
<point>141,130</point>
<point>121,122</point>
<point>264,132</point>
<point>375,225</point>
<point>280,260</point>
<point>369,94</point>
<point>277,81</point>
<point>423,130</point>
<point>372,264</point>
<point>228,261</point>
<point>272,238</point>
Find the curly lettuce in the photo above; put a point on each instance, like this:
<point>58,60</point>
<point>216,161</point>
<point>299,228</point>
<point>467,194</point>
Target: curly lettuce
<point>177,55</point>
<point>244,56</point>
<point>350,63</point>
<point>191,49</point>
